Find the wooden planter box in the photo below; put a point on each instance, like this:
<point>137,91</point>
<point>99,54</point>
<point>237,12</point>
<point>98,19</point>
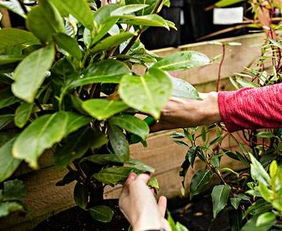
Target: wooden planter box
<point>45,199</point>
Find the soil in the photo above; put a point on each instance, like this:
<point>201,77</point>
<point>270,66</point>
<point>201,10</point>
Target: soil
<point>196,215</point>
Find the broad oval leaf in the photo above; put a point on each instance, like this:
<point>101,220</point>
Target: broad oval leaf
<point>101,213</point>
<point>118,141</point>
<point>132,124</point>
<point>113,175</point>
<point>106,71</point>
<point>112,41</point>
<point>8,163</point>
<point>43,133</point>
<point>80,195</point>
<point>68,44</point>
<point>128,9</point>
<point>220,195</point>
<point>265,219</point>
<point>199,181</point>
<point>77,8</point>
<point>11,37</point>
<point>102,108</point>
<point>44,21</point>
<point>148,93</point>
<point>258,172</point>
<point>182,60</point>
<point>23,113</point>
<point>183,89</point>
<point>31,72</point>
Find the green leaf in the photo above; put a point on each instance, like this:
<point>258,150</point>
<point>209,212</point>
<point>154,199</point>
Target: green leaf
<point>7,98</point>
<point>77,8</point>
<point>152,20</point>
<point>273,169</point>
<point>8,164</point>
<point>153,183</point>
<point>113,175</point>
<point>220,195</point>
<point>224,3</point>
<point>102,108</point>
<point>101,213</point>
<point>106,71</point>
<point>43,133</point>
<point>23,113</point>
<point>44,21</point>
<point>258,172</point>
<point>235,202</point>
<point>31,72</point>
<point>147,93</point>
<point>265,135</point>
<point>112,41</point>
<point>132,124</point>
<point>80,195</point>
<point>13,190</point>
<point>8,207</point>
<point>265,219</point>
<point>199,181</point>
<point>5,120</point>
<point>136,164</point>
<point>128,9</point>
<point>118,141</point>
<point>251,225</point>
<point>68,44</point>
<point>14,6</point>
<point>277,204</point>
<point>74,146</point>
<point>105,158</point>
<point>6,59</point>
<point>265,192</point>
<point>182,60</point>
<point>183,89</point>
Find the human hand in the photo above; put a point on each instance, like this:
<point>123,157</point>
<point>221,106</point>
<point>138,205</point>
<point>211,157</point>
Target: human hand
<point>139,205</point>
<point>180,113</point>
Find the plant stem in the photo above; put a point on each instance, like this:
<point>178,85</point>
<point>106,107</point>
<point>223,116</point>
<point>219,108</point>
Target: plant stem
<point>220,68</point>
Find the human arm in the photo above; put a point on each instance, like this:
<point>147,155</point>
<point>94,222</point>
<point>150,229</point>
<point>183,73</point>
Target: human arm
<point>245,108</point>
<point>139,205</point>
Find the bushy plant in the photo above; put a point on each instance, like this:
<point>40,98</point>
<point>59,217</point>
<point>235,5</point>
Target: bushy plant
<point>68,84</point>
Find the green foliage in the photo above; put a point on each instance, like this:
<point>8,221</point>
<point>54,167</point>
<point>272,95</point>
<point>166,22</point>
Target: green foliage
<point>67,84</point>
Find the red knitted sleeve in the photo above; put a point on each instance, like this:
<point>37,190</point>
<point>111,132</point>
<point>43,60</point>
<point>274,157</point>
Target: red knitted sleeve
<point>251,108</point>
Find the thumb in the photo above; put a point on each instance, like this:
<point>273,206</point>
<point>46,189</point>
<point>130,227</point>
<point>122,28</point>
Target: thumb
<point>162,204</point>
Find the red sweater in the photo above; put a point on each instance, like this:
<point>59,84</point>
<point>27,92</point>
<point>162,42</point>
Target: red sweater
<point>252,108</point>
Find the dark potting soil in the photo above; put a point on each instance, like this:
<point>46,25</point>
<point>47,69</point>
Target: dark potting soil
<point>196,215</point>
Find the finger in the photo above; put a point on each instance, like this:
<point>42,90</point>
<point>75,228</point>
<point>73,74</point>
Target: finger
<point>162,203</point>
<point>131,177</point>
<point>143,177</point>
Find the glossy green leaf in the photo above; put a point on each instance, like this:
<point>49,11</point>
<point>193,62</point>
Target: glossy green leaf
<point>101,213</point>
<point>182,60</point>
<point>80,195</point>
<point>23,113</point>
<point>102,108</point>
<point>136,164</point>
<point>7,98</point>
<point>13,190</point>
<point>31,72</point>
<point>8,207</point>
<point>8,164</point>
<point>113,175</point>
<point>183,89</point>
<point>258,172</point>
<point>6,59</point>
<point>77,8</point>
<point>68,44</point>
<point>265,218</point>
<point>273,169</point>
<point>251,225</point>
<point>106,71</point>
<point>153,182</point>
<point>265,192</point>
<point>118,141</point>
<point>277,204</point>
<point>152,20</point>
<point>128,9</point>
<point>199,181</point>
<point>148,93</point>
<point>43,133</point>
<point>112,41</point>
<point>74,146</point>
<point>5,120</point>
<point>224,3</point>
<point>14,6</point>
<point>105,158</point>
<point>220,195</point>
<point>44,21</point>
<point>132,124</point>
